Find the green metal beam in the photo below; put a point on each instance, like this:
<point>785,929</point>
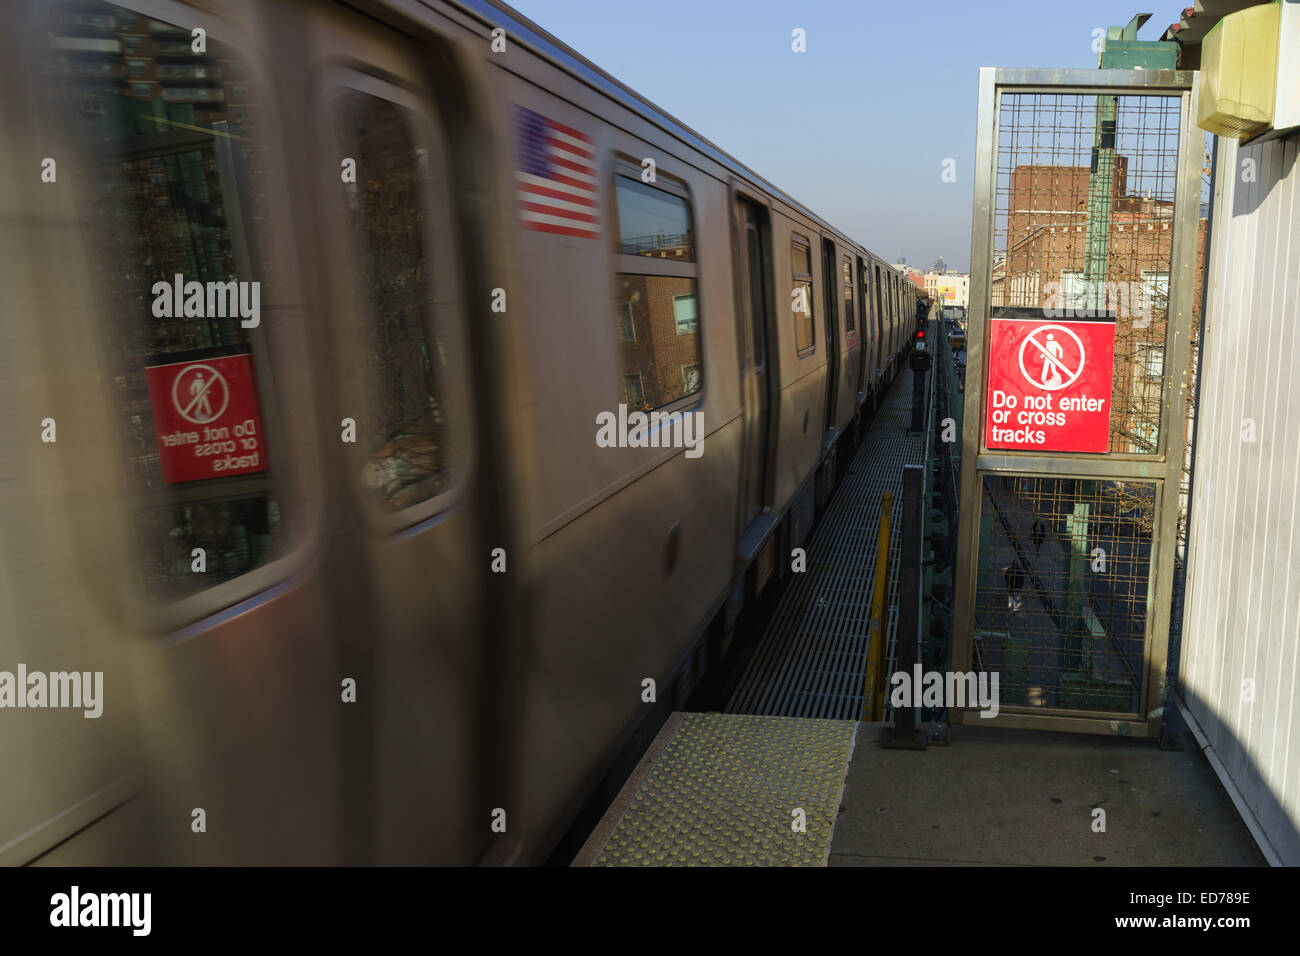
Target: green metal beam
<point>1124,51</point>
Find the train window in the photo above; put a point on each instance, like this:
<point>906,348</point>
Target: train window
<point>167,178</point>
<point>847,277</point>
<point>656,306</point>
<point>757,267</point>
<point>400,421</point>
<point>652,222</point>
<point>805,342</point>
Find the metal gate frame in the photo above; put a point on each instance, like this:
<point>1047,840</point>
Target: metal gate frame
<point>1163,469</point>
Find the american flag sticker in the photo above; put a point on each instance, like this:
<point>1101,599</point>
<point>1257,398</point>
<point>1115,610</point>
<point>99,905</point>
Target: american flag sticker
<point>555,175</point>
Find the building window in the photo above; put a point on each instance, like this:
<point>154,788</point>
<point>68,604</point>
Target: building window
<point>659,299</point>
<point>1074,291</point>
<point>684,312</point>
<point>691,378</point>
<point>633,393</point>
<point>1155,291</point>
<point>805,342</point>
<point>142,90</point>
<point>1151,361</point>
<point>1145,438</point>
<point>626,326</point>
<point>136,67</point>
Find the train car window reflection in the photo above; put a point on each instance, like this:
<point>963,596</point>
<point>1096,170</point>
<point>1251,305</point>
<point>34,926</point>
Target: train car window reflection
<point>154,167</point>
<point>653,222</point>
<point>657,309</point>
<point>400,422</point>
<point>801,270</point>
<point>666,337</point>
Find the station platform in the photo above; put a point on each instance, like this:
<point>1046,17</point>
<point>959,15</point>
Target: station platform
<point>1002,797</point>
<point>787,775</point>
<point>728,790</point>
<point>723,790</point>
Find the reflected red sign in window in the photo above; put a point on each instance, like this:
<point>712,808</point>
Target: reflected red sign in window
<point>206,418</point>
<point>1049,384</point>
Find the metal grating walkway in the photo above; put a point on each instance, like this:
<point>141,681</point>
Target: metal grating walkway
<point>728,790</point>
<point>811,658</point>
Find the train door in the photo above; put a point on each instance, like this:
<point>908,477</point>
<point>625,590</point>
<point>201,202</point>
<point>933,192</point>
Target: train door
<point>832,338</point>
<point>419,489</point>
<point>893,319</point>
<point>69,773</point>
<point>865,324</point>
<point>852,337</point>
<point>900,297</point>
<point>758,374</point>
<point>898,313</point>
<point>187,432</point>
<point>881,337</point>
<point>902,313</point>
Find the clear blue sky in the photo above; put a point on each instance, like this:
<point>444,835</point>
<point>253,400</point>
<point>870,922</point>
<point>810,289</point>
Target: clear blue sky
<point>857,128</point>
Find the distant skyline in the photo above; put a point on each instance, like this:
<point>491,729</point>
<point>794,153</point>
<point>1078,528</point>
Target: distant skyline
<point>858,127</point>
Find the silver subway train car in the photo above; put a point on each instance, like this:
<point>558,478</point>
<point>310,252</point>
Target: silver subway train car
<point>398,414</point>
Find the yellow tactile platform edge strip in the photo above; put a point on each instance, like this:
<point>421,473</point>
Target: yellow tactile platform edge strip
<point>722,790</point>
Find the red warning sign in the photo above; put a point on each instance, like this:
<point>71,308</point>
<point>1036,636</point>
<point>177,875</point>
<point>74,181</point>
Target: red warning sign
<point>206,418</point>
<point>1049,385</point>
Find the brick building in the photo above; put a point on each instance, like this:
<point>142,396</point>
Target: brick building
<point>1042,264</point>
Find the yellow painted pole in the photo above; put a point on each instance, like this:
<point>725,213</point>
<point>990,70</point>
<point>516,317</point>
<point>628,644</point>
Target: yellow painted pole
<point>873,695</point>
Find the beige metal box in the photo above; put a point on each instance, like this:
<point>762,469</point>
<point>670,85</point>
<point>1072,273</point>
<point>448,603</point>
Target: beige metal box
<point>1239,72</point>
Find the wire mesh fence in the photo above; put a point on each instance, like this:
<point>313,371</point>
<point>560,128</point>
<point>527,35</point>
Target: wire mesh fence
<point>1083,226</point>
<point>1063,590</point>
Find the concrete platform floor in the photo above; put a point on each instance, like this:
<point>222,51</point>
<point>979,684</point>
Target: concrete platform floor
<point>1002,797</point>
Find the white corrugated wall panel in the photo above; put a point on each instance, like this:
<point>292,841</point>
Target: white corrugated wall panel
<point>1242,618</point>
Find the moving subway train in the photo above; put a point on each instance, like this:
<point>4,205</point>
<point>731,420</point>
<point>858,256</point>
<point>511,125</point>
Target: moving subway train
<point>398,415</point>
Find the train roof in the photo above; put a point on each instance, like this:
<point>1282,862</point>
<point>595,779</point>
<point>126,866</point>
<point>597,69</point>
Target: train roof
<point>520,28</point>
